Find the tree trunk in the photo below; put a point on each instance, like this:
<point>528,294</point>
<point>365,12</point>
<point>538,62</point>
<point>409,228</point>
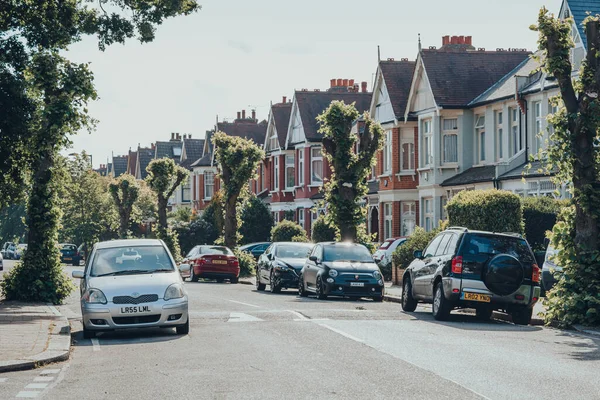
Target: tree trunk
<point>231,222</point>
<point>162,212</point>
<point>345,220</point>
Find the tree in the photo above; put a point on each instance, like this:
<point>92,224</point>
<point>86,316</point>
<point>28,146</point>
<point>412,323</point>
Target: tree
<point>124,192</point>
<point>238,160</point>
<point>164,177</point>
<point>350,169</point>
<point>323,231</point>
<point>144,210</point>
<point>45,97</point>
<point>257,221</point>
<point>12,223</point>
<point>575,153</point>
<point>288,231</point>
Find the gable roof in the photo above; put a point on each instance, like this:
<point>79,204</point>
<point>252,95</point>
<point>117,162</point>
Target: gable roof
<point>193,148</point>
<point>528,171</point>
<point>311,104</point>
<point>119,165</point>
<point>167,149</point>
<point>131,162</point>
<point>145,155</point>
<point>281,116</point>
<point>579,11</point>
<point>458,77</point>
<point>246,129</point>
<point>204,161</point>
<point>397,76</point>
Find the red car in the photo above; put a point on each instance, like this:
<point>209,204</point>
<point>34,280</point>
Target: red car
<point>211,262</point>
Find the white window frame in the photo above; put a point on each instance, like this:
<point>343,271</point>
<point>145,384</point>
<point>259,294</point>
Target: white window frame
<point>449,130</point>
<point>316,156</point>
<point>273,142</point>
<point>276,173</point>
<point>388,220</point>
<point>301,167</point>
<point>538,126</point>
<point>209,183</point>
<point>480,138</point>
<point>515,131</point>
<point>186,187</point>
<point>290,170</point>
<point>301,218</point>
<point>276,216</point>
<point>408,219</point>
<point>427,142</point>
<point>410,141</point>
<point>387,153</point>
<point>499,117</point>
<point>428,213</point>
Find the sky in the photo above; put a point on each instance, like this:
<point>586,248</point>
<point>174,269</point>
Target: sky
<point>239,54</point>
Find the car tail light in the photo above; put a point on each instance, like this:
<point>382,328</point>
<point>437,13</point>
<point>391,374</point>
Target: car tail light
<point>234,262</point>
<point>457,265</point>
<point>535,275</point>
<point>200,261</point>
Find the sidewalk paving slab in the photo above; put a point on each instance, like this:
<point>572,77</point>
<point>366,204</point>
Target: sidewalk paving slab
<point>33,334</point>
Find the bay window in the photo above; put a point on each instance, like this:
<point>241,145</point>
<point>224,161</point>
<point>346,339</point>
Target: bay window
<point>480,137</point>
<point>407,150</point>
<point>387,153</point>
<point>428,214</point>
<point>427,143</point>
<point>301,167</point>
<point>209,184</point>
<point>316,165</point>
<point>450,140</point>
<point>276,173</point>
<point>290,180</point>
<point>537,131</point>
<point>408,218</point>
<point>499,136</point>
<point>387,220</point>
<point>515,132</point>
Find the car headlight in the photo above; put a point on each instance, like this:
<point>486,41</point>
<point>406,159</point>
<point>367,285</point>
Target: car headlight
<point>175,291</point>
<point>376,274</point>
<point>281,266</point>
<point>333,273</point>
<point>94,296</point>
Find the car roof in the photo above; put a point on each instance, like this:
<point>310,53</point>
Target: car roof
<point>253,244</point>
<point>505,234</point>
<point>340,244</point>
<point>128,242</point>
<point>300,243</point>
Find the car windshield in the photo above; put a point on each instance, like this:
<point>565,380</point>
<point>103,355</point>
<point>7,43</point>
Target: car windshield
<point>293,250</point>
<point>492,245</point>
<point>130,260</point>
<point>215,250</point>
<point>386,244</point>
<point>341,252</point>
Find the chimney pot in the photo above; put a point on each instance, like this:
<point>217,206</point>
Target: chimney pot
<point>172,136</point>
<point>190,136</point>
<point>285,98</point>
<point>332,84</point>
<point>469,40</point>
<point>454,40</point>
<point>243,114</point>
<point>345,82</point>
<point>340,82</point>
<point>445,40</point>
<point>461,39</point>
<point>239,115</point>
<point>253,114</point>
<point>178,136</point>
<point>351,82</point>
<point>364,87</point>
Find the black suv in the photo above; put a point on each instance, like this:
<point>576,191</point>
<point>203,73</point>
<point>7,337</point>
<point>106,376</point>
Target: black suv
<point>474,269</point>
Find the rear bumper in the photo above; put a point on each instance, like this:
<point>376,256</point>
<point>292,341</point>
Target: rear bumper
<point>216,272</point>
<point>455,287</point>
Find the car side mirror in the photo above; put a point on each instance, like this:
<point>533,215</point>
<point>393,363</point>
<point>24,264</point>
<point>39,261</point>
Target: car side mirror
<point>313,259</point>
<point>77,274</point>
<point>184,268</point>
<point>418,254</point>
<point>546,242</point>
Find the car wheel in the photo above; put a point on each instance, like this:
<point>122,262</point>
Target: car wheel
<point>259,285</point>
<point>87,334</point>
<point>409,303</point>
<point>183,329</point>
<point>234,280</point>
<point>76,264</point>
<point>220,280</point>
<point>274,286</point>
<point>301,290</point>
<point>193,277</point>
<point>484,313</point>
<point>522,316</point>
<point>441,309</point>
<point>319,290</point>
<point>378,299</point>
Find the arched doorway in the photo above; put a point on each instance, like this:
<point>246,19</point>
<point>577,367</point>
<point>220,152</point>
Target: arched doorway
<point>374,219</point>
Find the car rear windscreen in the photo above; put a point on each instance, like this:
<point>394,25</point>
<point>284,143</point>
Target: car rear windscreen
<point>215,250</point>
<point>493,245</point>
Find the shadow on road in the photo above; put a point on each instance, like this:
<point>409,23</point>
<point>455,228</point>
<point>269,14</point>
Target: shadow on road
<point>469,322</point>
<point>584,349</point>
<point>129,336</point>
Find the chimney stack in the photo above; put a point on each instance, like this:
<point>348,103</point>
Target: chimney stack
<point>332,84</point>
<point>285,98</point>
<point>445,40</point>
<point>345,82</point>
<point>469,40</point>
<point>364,87</point>
<point>243,114</point>
<point>178,136</point>
<point>190,136</point>
<point>339,82</point>
<point>253,114</point>
<point>351,82</point>
<point>454,40</point>
<point>239,115</point>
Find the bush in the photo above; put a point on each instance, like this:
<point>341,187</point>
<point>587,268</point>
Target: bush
<point>171,239</point>
<point>197,232</point>
<point>539,216</point>
<point>286,231</point>
<point>257,221</point>
<point>486,210</point>
<point>323,231</point>
<point>247,263</point>
<point>403,255</point>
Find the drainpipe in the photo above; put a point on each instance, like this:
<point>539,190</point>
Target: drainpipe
<point>526,130</point>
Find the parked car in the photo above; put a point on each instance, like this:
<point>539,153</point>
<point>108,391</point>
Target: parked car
<point>5,249</point>
<point>19,251</point>
<point>383,255</point>
<point>11,251</point>
<point>143,292</point>
<point>474,269</point>
<point>280,266</point>
<point>1,262</point>
<point>341,269</point>
<point>256,249</point>
<point>550,271</point>
<point>210,262</point>
<point>69,254</point>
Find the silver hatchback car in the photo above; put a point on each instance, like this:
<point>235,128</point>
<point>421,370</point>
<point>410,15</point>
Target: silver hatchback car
<point>132,284</point>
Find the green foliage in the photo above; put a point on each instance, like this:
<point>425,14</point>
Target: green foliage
<point>539,216</point>
<point>323,231</point>
<point>404,255</point>
<point>238,160</point>
<point>257,221</point>
<point>214,213</point>
<point>171,239</point>
<point>247,263</point>
<point>12,223</point>
<point>182,214</point>
<point>286,231</point>
<point>350,169</point>
<point>199,231</point>
<point>125,191</point>
<point>486,210</point>
<point>144,210</point>
<point>289,215</point>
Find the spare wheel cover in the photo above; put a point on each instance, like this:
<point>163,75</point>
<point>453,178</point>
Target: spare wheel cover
<point>503,274</point>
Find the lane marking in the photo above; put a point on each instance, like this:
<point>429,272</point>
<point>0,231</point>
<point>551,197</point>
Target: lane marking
<point>301,317</point>
<point>43,379</point>
<point>312,320</point>
<point>241,317</point>
<point>28,394</point>
<point>50,371</point>
<point>349,336</point>
<point>245,304</point>
<point>96,344</point>
<point>58,380</point>
<point>36,386</point>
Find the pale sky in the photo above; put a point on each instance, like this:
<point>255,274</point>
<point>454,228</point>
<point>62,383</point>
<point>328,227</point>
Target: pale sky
<point>238,54</point>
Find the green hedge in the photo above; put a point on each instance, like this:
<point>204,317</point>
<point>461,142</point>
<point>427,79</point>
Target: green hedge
<point>287,231</point>
<point>486,210</point>
<point>403,255</point>
<point>540,215</point>
<point>247,263</point>
<point>322,231</point>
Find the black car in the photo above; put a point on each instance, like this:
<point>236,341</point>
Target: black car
<point>341,269</point>
<point>279,267</point>
<point>474,269</point>
<point>69,254</point>
<point>256,249</point>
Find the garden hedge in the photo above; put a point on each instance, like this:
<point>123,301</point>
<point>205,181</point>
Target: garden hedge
<point>287,231</point>
<point>540,215</point>
<point>322,231</point>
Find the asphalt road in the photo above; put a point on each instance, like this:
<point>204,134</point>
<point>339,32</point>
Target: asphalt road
<point>245,344</point>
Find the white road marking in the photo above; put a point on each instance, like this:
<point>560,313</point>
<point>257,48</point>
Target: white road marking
<point>349,336</point>
<point>59,379</point>
<point>36,386</point>
<point>245,304</point>
<point>53,309</point>
<point>297,314</point>
<point>2,380</point>
<point>96,344</point>
<point>43,379</point>
<point>50,371</point>
<point>28,394</point>
<point>241,317</point>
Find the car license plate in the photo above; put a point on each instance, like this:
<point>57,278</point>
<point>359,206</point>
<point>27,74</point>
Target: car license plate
<point>220,262</point>
<point>135,310</point>
<point>357,284</point>
<point>67,258</point>
<point>476,297</point>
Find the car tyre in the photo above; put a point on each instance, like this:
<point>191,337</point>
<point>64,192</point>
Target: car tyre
<point>183,329</point>
<point>193,277</point>
<point>319,289</point>
<point>234,280</point>
<point>441,307</point>
<point>378,299</point>
<point>76,264</point>
<point>522,316</point>
<point>220,280</point>
<point>409,304</point>
<point>275,288</point>
<point>259,285</point>
<point>301,290</point>
<point>88,334</point>
<point>484,313</point>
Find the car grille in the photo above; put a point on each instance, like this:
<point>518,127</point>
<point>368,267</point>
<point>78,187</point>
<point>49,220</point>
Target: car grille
<point>142,319</point>
<point>145,298</point>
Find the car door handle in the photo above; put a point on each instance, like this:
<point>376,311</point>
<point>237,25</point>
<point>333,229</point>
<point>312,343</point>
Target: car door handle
<point>439,260</point>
